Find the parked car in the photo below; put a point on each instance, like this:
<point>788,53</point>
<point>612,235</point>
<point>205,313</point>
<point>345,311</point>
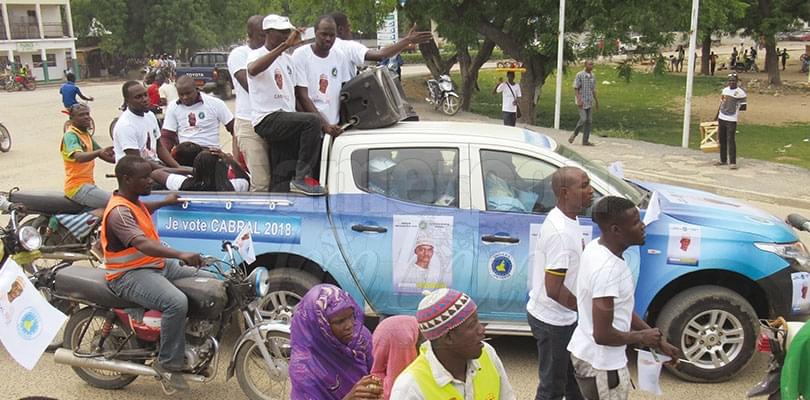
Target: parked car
<point>210,73</point>
<point>477,195</point>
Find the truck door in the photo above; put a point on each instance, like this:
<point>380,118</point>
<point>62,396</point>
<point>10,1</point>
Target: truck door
<point>400,221</point>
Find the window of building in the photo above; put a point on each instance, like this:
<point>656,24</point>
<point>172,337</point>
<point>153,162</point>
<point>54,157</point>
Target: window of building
<point>37,60</point>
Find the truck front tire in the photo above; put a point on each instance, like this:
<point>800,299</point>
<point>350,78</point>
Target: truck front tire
<point>714,327</point>
<point>287,287</point>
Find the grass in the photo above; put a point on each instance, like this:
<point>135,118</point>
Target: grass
<point>650,108</point>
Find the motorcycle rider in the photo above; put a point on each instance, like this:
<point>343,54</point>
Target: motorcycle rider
<point>140,269</point>
<point>79,151</point>
<point>69,91</point>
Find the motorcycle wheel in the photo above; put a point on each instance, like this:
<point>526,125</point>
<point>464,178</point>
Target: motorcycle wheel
<point>5,139</point>
<point>451,105</point>
<point>11,86</point>
<point>102,379</point>
<point>252,374</point>
<point>30,85</point>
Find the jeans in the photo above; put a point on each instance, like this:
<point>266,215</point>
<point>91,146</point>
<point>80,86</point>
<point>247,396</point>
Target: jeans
<point>555,370</point>
<point>92,196</point>
<point>726,132</point>
<point>153,289</point>
<point>509,118</point>
<point>257,155</point>
<point>584,123</point>
<point>294,139</point>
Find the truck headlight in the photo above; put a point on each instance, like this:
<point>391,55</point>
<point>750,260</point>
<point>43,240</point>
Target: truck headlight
<point>791,251</point>
<point>29,238</point>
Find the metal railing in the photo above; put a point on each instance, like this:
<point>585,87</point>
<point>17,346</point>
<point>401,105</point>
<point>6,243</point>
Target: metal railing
<point>24,31</point>
<point>55,29</point>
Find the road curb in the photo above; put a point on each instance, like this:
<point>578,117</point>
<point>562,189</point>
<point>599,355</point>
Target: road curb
<point>721,190</point>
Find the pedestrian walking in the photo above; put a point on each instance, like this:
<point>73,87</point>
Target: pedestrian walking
<point>732,100</point>
<point>604,290</point>
<point>552,305</point>
<point>784,56</point>
<point>510,93</point>
<point>712,63</point>
<point>681,56</point>
<point>585,87</point>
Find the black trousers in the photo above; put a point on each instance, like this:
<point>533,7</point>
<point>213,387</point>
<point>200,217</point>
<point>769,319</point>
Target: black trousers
<point>509,118</point>
<point>295,140</point>
<point>726,135</point>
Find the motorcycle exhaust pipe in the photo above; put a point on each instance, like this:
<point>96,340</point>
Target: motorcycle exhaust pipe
<point>66,356</point>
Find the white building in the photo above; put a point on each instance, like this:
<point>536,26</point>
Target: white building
<point>38,33</point>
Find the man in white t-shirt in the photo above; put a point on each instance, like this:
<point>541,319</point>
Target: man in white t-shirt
<point>552,305</point>
<point>320,71</point>
<point>510,93</point>
<point>253,148</point>
<point>195,117</point>
<point>293,137</point>
<point>168,93</point>
<point>732,100</point>
<point>137,131</point>
<point>605,300</point>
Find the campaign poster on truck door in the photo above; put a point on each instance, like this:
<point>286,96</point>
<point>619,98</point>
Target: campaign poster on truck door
<point>422,251</point>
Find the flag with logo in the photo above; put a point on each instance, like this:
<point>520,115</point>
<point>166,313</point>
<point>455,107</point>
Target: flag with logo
<point>244,243</point>
<point>28,323</point>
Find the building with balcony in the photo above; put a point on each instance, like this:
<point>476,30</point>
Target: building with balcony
<point>39,34</point>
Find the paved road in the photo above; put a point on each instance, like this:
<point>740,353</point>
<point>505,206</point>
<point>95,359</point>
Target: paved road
<point>35,122</point>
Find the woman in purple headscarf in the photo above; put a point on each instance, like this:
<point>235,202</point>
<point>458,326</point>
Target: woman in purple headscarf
<point>331,349</point>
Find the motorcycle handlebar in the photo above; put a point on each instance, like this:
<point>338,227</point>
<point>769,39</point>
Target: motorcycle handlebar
<point>799,222</point>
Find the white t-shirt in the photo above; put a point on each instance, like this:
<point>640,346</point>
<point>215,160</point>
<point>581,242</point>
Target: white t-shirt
<point>169,92</point>
<point>734,97</point>
<point>175,181</point>
<point>507,99</point>
<point>273,89</point>
<point>237,61</point>
<point>198,123</point>
<point>323,78</point>
<point>136,132</point>
<point>602,274</point>
<point>558,249</point>
<point>355,53</point>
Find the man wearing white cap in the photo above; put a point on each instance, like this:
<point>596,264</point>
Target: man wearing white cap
<point>294,138</point>
<point>454,363</point>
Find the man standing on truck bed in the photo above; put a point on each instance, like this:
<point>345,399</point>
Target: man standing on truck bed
<point>253,148</point>
<point>195,117</point>
<point>291,135</point>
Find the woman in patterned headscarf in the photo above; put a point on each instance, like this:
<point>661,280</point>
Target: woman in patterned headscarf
<point>331,349</point>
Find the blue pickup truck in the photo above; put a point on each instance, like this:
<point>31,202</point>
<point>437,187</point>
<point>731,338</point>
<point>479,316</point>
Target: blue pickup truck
<point>210,73</point>
<point>422,205</point>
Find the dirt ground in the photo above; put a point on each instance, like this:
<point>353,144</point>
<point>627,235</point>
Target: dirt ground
<point>763,108</point>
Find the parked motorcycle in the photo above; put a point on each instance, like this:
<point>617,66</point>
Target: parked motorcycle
<point>66,230</point>
<point>442,95</point>
<point>109,348</point>
<point>20,82</point>
<point>5,139</point>
<point>746,65</point>
<point>776,338</point>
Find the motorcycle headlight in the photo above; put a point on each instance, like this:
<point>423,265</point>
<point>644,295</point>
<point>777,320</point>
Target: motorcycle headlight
<point>260,279</point>
<point>795,251</point>
<point>29,238</point>
<point>446,86</point>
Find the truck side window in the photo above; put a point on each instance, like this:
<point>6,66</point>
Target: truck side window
<point>417,175</point>
<point>516,183</point>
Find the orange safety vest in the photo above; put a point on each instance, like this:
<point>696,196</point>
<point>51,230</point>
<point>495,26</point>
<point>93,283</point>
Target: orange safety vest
<point>119,262</point>
<point>77,173</point>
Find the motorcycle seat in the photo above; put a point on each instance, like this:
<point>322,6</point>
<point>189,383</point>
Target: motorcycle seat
<point>46,202</point>
<point>88,284</point>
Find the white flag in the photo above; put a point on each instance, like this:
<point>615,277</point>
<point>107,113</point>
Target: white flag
<point>244,243</point>
<point>649,371</point>
<point>28,323</point>
<point>653,209</point>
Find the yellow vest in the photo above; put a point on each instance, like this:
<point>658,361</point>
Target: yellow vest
<point>486,382</point>
<point>77,173</point>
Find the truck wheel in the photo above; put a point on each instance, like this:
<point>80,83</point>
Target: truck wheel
<point>714,327</point>
<point>287,287</point>
<point>227,91</point>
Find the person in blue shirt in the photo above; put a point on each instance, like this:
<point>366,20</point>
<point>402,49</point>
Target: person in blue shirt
<point>69,91</point>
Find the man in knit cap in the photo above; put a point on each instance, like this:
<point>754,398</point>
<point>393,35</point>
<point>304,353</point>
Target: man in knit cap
<point>454,362</point>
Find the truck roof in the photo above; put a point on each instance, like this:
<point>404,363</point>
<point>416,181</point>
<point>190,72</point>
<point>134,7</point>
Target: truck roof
<point>464,131</point>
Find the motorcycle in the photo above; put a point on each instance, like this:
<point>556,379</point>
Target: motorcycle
<point>5,139</point>
<point>442,95</point>
<point>20,82</point>
<point>109,348</point>
<point>746,65</point>
<point>64,230</point>
<point>776,337</point>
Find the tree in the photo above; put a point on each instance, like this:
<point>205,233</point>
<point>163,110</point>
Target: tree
<point>715,17</point>
<point>764,18</point>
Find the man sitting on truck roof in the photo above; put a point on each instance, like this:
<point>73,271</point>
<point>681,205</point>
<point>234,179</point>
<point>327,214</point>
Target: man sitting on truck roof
<point>195,117</point>
<point>293,137</point>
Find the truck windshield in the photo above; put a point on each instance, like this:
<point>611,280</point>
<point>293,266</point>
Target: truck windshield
<point>629,191</point>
